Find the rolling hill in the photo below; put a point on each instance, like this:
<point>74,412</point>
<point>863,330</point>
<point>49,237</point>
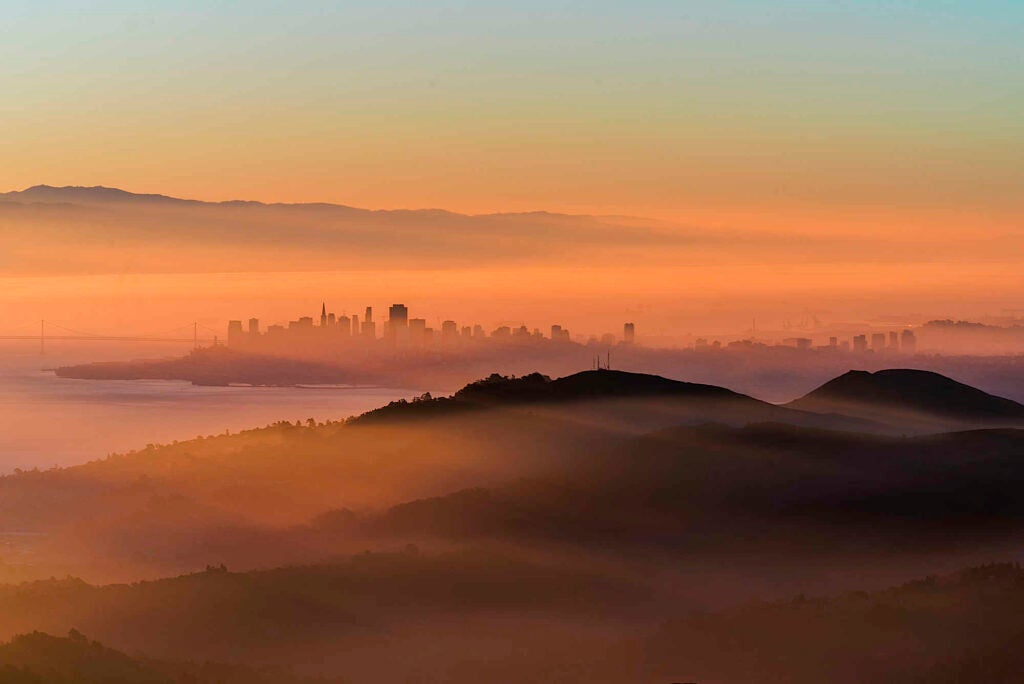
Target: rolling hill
<point>912,398</point>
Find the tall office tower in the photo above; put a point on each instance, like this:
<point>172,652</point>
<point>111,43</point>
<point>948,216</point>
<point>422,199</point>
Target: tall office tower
<point>894,341</point>
<point>331,320</point>
<point>397,330</point>
<point>860,343</point>
<point>369,329</point>
<point>398,314</point>
<point>466,332</point>
<point>417,331</point>
<point>355,325</point>
<point>323,315</point>
<point>878,342</point>
<point>629,333</point>
<point>344,324</point>
<point>478,332</point>
<point>556,332</point>
<point>908,342</point>
<point>234,333</point>
<point>449,332</point>
<point>254,326</point>
<point>833,342</point>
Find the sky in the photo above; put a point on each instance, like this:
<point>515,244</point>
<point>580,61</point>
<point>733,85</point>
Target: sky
<point>853,158</point>
<point>844,116</point>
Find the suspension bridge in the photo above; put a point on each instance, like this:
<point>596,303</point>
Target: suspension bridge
<point>51,331</point>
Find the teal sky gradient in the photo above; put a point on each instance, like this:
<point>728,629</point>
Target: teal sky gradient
<point>671,105</point>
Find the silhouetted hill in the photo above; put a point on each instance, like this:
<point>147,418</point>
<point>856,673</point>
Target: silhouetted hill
<point>633,401</point>
<point>902,393</point>
<point>39,658</point>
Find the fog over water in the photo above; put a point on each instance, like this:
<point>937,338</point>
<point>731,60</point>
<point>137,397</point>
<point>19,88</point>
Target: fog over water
<point>47,421</point>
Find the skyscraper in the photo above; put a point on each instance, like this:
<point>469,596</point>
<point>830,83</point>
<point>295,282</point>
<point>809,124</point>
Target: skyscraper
<point>449,332</point>
<point>234,333</point>
<point>628,333</point>
<point>323,315</point>
<point>878,342</point>
<point>397,330</point>
<point>908,341</point>
<point>417,332</point>
<point>398,314</point>
<point>369,328</point>
<point>254,326</point>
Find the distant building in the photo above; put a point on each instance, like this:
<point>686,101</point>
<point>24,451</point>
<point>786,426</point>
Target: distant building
<point>344,325</point>
<point>417,332</point>
<point>398,314</point>
<point>833,341</point>
<point>908,342</point>
<point>798,342</point>
<point>878,342</point>
<point>323,314</point>
<point>860,343</point>
<point>608,339</point>
<point>894,341</point>
<point>369,328</point>
<point>254,326</point>
<point>449,332</point>
<point>235,333</point>
<point>628,333</point>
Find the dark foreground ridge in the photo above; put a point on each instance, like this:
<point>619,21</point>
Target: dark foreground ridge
<point>500,390</point>
<point>910,390</point>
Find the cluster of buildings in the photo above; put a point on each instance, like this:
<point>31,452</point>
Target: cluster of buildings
<point>904,342</point>
<point>398,330</point>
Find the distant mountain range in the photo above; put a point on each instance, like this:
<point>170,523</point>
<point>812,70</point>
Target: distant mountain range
<point>75,229</point>
<point>101,195</point>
